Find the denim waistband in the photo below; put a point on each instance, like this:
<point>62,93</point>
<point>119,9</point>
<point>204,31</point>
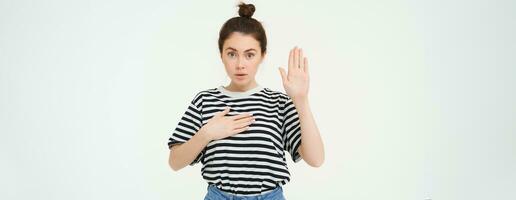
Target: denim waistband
<point>216,194</point>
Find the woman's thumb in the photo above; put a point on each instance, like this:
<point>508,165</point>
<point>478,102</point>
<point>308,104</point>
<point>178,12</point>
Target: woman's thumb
<point>224,112</point>
<point>283,74</point>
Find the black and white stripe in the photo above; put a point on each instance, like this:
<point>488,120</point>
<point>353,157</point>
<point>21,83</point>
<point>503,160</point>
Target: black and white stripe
<point>251,162</point>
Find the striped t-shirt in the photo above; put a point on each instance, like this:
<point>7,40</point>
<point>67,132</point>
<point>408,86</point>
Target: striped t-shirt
<point>253,161</point>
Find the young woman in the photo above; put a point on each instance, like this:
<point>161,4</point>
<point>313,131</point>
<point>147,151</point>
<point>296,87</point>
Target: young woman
<point>240,132</point>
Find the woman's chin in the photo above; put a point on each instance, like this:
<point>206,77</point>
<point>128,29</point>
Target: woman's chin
<point>240,80</point>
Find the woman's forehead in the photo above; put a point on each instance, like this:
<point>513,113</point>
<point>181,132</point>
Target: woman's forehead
<point>241,42</point>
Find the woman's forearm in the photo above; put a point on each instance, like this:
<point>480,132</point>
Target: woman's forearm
<point>311,148</point>
<point>182,155</point>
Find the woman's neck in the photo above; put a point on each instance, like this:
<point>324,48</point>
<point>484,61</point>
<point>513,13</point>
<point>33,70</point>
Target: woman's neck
<point>241,88</point>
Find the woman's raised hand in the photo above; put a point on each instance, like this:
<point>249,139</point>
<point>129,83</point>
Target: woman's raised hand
<point>297,81</point>
<point>221,126</point>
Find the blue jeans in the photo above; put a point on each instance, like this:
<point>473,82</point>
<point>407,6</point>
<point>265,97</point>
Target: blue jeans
<point>215,193</point>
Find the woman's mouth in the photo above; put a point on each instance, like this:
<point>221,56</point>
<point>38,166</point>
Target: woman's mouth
<point>240,76</point>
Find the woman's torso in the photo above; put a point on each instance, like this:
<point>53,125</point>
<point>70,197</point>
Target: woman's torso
<point>253,161</point>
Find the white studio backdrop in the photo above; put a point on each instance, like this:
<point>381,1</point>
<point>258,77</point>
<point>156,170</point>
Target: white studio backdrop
<point>415,100</point>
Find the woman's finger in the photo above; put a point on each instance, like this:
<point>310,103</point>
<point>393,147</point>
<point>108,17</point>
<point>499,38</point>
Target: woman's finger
<point>238,130</point>
<point>241,116</point>
<point>245,119</point>
<point>283,75</point>
<point>305,61</point>
<point>223,112</point>
<point>301,62</point>
<point>291,59</point>
<point>243,124</point>
<point>296,58</point>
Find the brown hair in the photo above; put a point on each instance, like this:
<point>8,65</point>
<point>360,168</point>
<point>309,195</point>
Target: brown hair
<point>244,24</point>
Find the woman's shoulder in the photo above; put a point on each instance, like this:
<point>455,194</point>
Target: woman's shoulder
<point>282,97</point>
<point>199,95</point>
<point>206,91</point>
<point>275,93</point>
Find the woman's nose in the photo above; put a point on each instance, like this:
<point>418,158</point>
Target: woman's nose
<point>240,64</point>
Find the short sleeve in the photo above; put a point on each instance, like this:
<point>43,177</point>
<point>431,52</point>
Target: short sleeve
<point>189,124</point>
<point>291,130</point>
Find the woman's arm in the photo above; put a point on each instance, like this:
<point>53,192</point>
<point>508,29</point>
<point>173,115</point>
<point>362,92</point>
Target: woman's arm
<point>183,154</point>
<point>218,127</point>
<point>311,148</point>
<point>296,84</point>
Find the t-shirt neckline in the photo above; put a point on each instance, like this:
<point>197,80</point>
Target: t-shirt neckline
<point>247,93</point>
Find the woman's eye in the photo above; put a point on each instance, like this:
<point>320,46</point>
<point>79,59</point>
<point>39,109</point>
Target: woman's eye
<point>231,54</point>
<point>250,55</point>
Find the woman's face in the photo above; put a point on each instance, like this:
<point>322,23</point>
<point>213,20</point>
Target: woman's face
<point>241,55</point>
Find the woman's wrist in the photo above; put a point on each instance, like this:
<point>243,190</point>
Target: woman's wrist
<point>204,135</point>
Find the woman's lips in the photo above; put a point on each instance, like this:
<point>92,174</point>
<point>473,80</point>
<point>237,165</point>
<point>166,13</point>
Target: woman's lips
<point>240,76</point>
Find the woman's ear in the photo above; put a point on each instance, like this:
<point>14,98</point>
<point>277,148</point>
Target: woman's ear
<point>263,56</point>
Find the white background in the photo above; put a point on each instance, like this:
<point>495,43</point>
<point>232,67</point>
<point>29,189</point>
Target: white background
<point>414,99</point>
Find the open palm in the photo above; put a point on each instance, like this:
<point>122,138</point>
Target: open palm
<point>296,82</point>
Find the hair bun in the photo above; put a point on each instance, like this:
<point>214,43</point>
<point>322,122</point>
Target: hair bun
<point>246,10</point>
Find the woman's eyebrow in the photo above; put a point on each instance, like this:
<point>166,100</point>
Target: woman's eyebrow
<point>231,48</point>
